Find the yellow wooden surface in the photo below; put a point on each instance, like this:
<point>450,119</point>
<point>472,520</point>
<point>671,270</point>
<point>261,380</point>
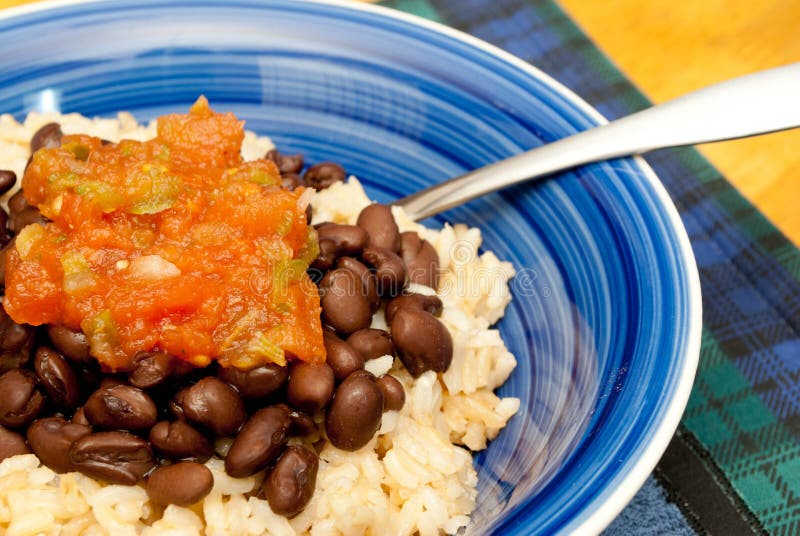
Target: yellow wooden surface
<point>669,47</point>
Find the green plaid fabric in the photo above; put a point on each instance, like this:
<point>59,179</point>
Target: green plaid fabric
<point>734,465</point>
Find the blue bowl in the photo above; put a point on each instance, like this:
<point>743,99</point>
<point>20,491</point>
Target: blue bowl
<point>605,320</point>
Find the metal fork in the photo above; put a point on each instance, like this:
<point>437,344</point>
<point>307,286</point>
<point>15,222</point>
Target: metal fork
<point>749,105</point>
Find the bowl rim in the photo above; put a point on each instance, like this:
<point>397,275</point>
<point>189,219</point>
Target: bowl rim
<point>604,507</point>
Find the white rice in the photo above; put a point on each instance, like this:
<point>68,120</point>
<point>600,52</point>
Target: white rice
<point>415,476</point>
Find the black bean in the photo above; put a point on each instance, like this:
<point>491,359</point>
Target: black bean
<point>342,358</point>
<point>390,271</point>
<point>216,405</point>
<point>364,373</point>
<point>89,376</point>
<point>121,406</point>
<point>431,304</point>
<point>336,240</point>
<point>323,175</point>
<point>258,382</point>
<point>421,260</point>
<point>21,214</point>
<point>310,386</point>
<point>79,417</point>
<point>290,484</point>
<point>11,444</point>
<point>150,369</point>
<point>17,203</point>
<point>15,337</point>
<point>20,401</point>
<point>394,396</point>
<point>3,256</point>
<point>372,343</point>
<point>287,163</point>
<point>57,377</point>
<point>181,484</point>
<point>175,406</point>
<point>422,341</point>
<point>71,343</point>
<point>260,441</point>
<point>107,382</point>
<point>182,368</point>
<point>302,424</point>
<point>5,237</point>
<point>355,413</point>
<point>348,239</point>
<point>16,341</point>
<point>180,441</point>
<point>7,180</point>
<point>369,283</point>
<point>47,137</point>
<point>115,457</point>
<point>345,306</point>
<point>327,256</point>
<point>379,223</point>
<point>27,216</point>
<point>290,181</point>
<point>51,438</point>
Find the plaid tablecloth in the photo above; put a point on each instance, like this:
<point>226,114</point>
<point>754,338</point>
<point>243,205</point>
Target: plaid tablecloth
<point>733,467</point>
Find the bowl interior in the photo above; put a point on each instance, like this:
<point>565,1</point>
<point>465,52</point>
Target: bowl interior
<point>601,316</point>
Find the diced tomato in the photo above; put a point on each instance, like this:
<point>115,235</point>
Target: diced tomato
<point>202,137</point>
<point>173,244</point>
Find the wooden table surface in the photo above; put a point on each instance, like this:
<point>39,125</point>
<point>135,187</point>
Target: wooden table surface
<point>669,47</point>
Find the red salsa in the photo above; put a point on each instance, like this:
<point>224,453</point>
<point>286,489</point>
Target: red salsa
<point>174,244</point>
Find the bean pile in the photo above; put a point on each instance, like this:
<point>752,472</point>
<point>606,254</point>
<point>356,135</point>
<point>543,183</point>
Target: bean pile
<point>161,420</point>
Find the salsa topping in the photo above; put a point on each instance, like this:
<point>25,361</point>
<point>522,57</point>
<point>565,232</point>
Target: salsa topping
<point>173,244</point>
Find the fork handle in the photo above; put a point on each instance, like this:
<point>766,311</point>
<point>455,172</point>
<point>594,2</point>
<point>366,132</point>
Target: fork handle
<point>749,105</point>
